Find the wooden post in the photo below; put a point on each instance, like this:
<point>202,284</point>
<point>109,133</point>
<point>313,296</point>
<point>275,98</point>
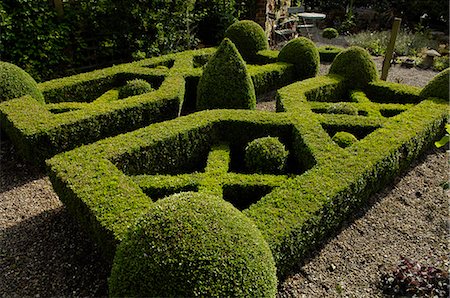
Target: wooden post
<point>390,49</point>
<point>59,8</point>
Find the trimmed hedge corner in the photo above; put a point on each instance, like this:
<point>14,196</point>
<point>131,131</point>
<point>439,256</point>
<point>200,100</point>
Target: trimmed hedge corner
<point>356,65</point>
<point>15,82</point>
<point>328,53</point>
<point>301,52</point>
<point>225,83</point>
<point>193,245</point>
<point>249,38</point>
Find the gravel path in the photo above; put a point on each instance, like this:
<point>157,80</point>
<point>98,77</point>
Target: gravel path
<point>43,251</point>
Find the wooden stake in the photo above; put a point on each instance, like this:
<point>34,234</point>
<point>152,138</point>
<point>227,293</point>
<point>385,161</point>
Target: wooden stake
<point>390,49</point>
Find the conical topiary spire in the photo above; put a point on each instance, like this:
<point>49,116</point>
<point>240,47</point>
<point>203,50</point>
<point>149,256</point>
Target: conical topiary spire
<point>225,83</point>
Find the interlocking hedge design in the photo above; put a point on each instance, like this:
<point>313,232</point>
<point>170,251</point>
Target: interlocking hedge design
<point>84,108</point>
<point>122,176</point>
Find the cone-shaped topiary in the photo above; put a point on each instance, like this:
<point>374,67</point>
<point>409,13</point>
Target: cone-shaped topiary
<point>15,82</point>
<point>193,244</point>
<point>303,53</point>
<point>225,83</point>
<point>330,33</point>
<point>342,108</point>
<point>356,65</point>
<point>344,139</point>
<point>249,38</point>
<point>266,155</point>
<point>135,87</point>
<point>438,86</point>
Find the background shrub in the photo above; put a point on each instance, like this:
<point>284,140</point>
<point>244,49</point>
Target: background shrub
<point>342,108</point>
<point>249,38</point>
<point>344,139</point>
<point>303,53</point>
<point>15,82</point>
<point>266,155</point>
<point>225,83</point>
<point>438,86</point>
<point>356,65</point>
<point>192,244</point>
<point>328,53</point>
<point>135,87</point>
<point>330,33</point>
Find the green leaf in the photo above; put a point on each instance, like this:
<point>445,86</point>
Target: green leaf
<point>442,141</point>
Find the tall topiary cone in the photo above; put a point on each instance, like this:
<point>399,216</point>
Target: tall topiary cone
<point>438,86</point>
<point>356,65</point>
<point>249,38</point>
<point>15,82</point>
<point>193,245</point>
<point>225,83</point>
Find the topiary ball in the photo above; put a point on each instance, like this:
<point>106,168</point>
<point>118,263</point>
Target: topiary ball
<point>249,38</point>
<point>135,87</point>
<point>303,53</point>
<point>328,53</point>
<point>15,82</point>
<point>342,108</point>
<point>356,65</point>
<point>193,244</point>
<point>344,139</point>
<point>225,83</point>
<point>438,86</point>
<point>330,33</point>
<point>266,155</point>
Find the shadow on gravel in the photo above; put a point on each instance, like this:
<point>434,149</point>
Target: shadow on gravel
<point>49,255</point>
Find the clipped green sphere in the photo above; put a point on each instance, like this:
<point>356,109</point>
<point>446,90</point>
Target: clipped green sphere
<point>328,53</point>
<point>266,155</point>
<point>303,53</point>
<point>135,87</point>
<point>226,83</point>
<point>438,86</point>
<point>190,245</point>
<point>249,38</point>
<point>356,65</point>
<point>15,82</point>
<point>342,108</point>
<point>344,139</point>
<point>330,33</point>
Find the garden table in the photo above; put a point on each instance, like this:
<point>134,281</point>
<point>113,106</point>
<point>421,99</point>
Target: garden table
<point>313,17</point>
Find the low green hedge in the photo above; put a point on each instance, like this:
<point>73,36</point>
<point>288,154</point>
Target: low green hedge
<point>328,53</point>
<point>84,108</point>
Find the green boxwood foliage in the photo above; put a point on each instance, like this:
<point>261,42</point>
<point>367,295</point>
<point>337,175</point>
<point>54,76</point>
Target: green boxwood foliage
<point>344,139</point>
<point>356,65</point>
<point>191,245</point>
<point>135,87</point>
<point>342,108</point>
<point>266,155</point>
<point>249,38</point>
<point>330,33</point>
<point>301,52</point>
<point>225,82</point>
<point>15,82</point>
<point>438,86</point>
<point>328,53</point>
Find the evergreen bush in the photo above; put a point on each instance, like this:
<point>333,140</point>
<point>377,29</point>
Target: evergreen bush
<point>342,108</point>
<point>330,33</point>
<point>344,139</point>
<point>225,83</point>
<point>328,53</point>
<point>266,155</point>
<point>135,87</point>
<point>193,244</point>
<point>15,82</point>
<point>438,86</point>
<point>303,53</point>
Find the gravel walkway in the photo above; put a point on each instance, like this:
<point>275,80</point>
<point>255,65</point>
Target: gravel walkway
<point>43,251</point>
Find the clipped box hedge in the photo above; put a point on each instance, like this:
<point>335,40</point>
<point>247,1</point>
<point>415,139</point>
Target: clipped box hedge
<point>112,183</point>
<point>85,108</point>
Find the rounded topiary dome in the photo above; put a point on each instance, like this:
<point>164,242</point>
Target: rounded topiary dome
<point>249,38</point>
<point>193,244</point>
<point>304,54</point>
<point>330,33</point>
<point>266,155</point>
<point>356,65</point>
<point>135,87</point>
<point>225,82</point>
<point>344,139</point>
<point>342,108</point>
<point>438,86</point>
<point>15,82</point>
